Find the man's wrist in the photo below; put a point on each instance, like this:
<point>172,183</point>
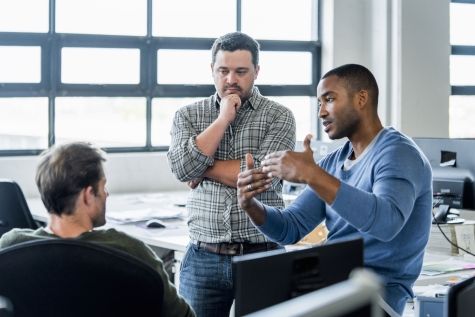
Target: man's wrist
<point>223,121</point>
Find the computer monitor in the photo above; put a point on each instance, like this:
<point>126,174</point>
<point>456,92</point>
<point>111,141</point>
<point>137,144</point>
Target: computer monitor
<point>268,278</point>
<point>460,299</point>
<point>359,296</point>
<point>453,170</point>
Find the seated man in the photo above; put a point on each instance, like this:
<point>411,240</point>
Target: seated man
<point>71,182</point>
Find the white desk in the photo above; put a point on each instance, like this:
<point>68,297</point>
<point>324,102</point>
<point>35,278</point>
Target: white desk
<point>173,237</point>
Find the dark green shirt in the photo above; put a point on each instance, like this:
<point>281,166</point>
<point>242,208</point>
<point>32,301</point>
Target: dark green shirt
<point>173,304</point>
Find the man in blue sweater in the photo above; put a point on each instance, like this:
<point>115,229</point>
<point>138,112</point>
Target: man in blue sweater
<point>377,186</point>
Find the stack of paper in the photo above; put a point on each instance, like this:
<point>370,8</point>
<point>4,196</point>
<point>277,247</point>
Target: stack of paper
<point>135,215</point>
<point>446,266</point>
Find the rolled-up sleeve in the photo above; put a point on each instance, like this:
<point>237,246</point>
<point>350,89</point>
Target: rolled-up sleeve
<point>186,161</point>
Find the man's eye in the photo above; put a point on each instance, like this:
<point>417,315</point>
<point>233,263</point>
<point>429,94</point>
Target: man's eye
<point>223,71</point>
<point>241,72</point>
<point>330,99</point>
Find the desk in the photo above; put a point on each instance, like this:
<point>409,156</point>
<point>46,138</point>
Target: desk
<point>175,237</point>
<point>432,255</point>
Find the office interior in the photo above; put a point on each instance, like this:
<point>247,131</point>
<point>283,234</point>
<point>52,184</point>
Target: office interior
<point>402,42</point>
<point>405,43</point>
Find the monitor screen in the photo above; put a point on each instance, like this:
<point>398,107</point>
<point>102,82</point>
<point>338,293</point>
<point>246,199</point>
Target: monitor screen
<point>268,278</point>
<point>359,296</point>
<point>460,301</point>
<point>453,169</point>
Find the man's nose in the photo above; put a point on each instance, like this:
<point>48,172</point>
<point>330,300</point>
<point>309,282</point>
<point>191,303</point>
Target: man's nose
<point>231,78</point>
<point>322,111</point>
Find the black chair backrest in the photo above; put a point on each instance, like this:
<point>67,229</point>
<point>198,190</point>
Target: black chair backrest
<point>14,211</point>
<point>58,277</point>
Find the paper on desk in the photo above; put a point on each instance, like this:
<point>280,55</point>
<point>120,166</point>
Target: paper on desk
<point>134,215</point>
<point>446,266</point>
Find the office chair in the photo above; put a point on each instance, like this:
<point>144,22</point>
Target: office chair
<point>14,212</point>
<point>69,278</point>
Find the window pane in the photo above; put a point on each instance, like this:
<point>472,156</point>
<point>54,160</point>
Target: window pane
<point>462,117</point>
<point>23,123</point>
<point>462,68</point>
<point>184,67</point>
<point>285,68</point>
<point>114,17</point>
<point>163,112</point>
<point>100,66</point>
<point>303,113</point>
<point>106,122</point>
<point>462,16</point>
<point>191,18</point>
<point>24,16</point>
<point>278,19</point>
<point>20,64</point>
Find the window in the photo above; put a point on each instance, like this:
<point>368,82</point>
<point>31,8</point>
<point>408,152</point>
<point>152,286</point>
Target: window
<point>23,123</point>
<point>462,67</point>
<point>113,72</point>
<point>20,64</point>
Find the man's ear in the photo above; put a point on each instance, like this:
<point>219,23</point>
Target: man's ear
<point>88,195</point>
<point>363,98</point>
<point>258,68</point>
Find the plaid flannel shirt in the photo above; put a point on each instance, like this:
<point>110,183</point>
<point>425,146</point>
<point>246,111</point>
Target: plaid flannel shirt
<point>261,126</point>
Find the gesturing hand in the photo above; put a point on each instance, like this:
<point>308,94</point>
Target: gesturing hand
<point>251,182</point>
<point>291,166</point>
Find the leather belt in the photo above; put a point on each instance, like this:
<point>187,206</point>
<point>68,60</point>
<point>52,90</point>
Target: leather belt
<point>236,248</point>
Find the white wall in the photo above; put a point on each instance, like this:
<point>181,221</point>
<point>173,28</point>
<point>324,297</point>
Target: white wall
<point>131,172</point>
<point>405,43</point>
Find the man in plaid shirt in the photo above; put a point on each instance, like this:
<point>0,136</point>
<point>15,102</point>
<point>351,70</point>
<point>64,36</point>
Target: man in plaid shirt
<point>210,139</point>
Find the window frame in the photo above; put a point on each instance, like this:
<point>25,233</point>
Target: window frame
<point>468,50</point>
<point>51,44</point>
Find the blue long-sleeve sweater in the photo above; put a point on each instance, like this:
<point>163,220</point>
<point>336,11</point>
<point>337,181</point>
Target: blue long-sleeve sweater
<point>385,198</point>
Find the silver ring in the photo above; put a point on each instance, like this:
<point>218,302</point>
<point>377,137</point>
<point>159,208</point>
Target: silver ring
<point>249,187</point>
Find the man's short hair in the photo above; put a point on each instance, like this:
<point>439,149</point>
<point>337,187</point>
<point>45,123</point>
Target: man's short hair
<point>64,170</point>
<point>236,41</point>
<point>357,78</point>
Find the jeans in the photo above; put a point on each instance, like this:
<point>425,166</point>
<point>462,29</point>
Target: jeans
<point>206,282</point>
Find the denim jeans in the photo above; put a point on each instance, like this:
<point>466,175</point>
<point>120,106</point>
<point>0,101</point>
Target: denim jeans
<point>206,282</point>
